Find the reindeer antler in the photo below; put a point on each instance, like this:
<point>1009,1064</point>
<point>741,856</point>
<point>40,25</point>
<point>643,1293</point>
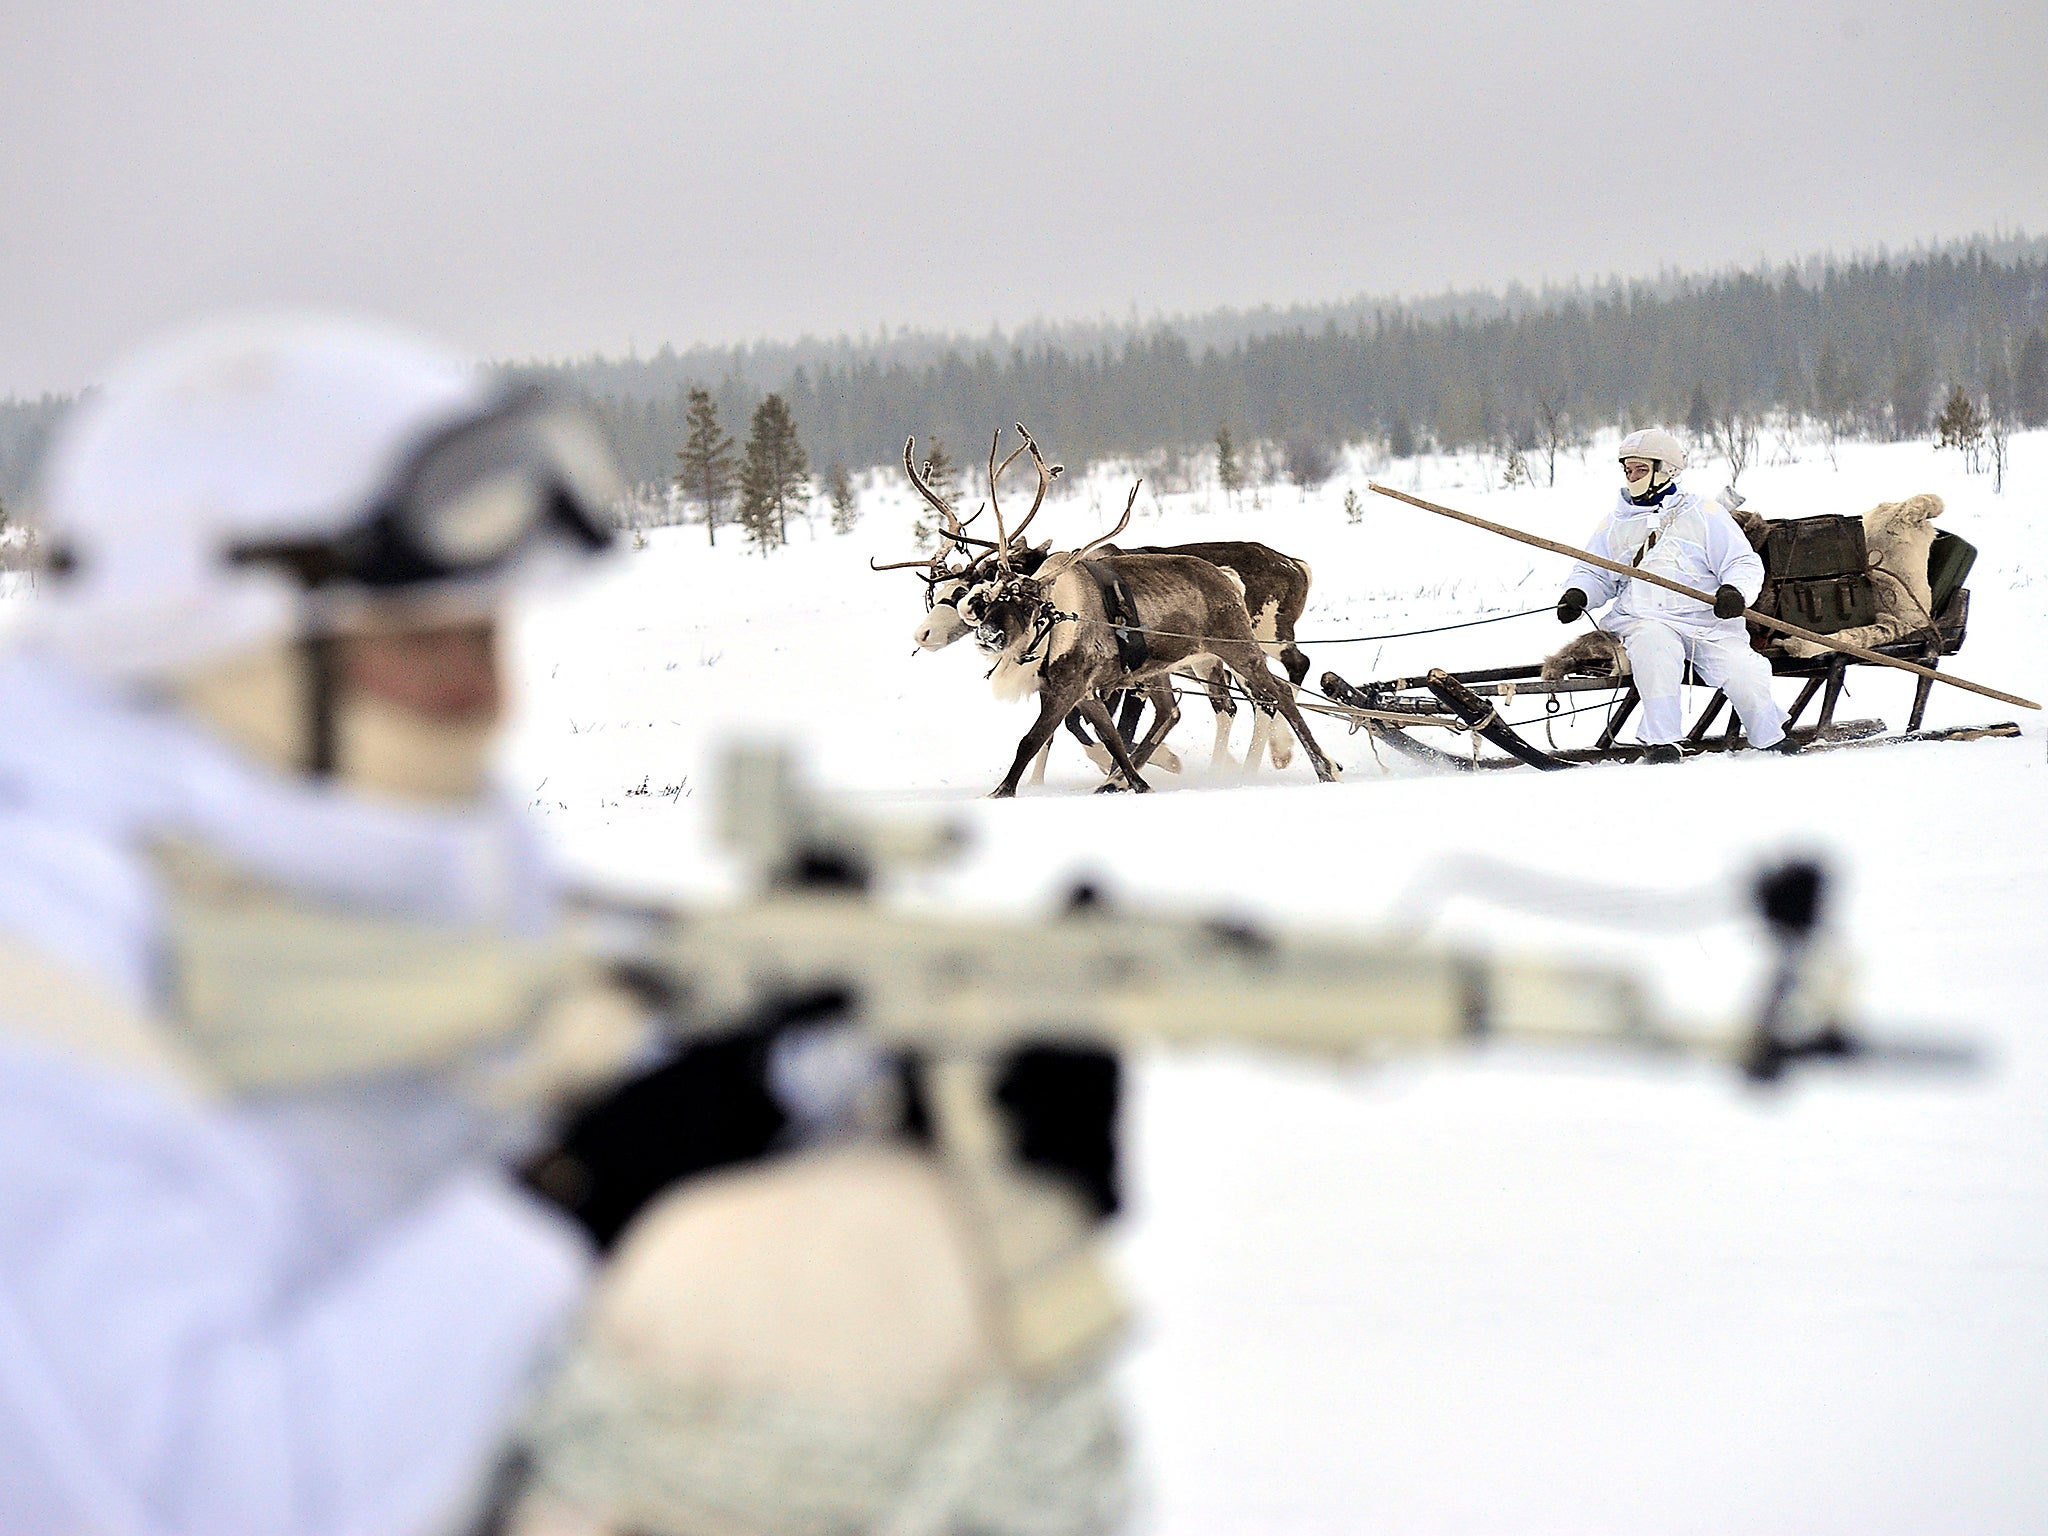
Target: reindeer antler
<point>1046,475</point>
<point>954,529</point>
<point>1005,539</point>
<point>995,501</point>
<point>1060,564</point>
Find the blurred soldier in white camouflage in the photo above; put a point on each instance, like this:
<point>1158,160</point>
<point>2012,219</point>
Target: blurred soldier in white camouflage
<point>292,1228</point>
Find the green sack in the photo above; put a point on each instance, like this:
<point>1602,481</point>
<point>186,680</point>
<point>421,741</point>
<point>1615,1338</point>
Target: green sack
<point>1948,567</point>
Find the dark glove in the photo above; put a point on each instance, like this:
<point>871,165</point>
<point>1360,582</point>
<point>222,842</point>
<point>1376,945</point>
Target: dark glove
<point>1061,1102</point>
<point>708,1106</point>
<point>1571,605</point>
<point>711,1106</point>
<point>1728,603</point>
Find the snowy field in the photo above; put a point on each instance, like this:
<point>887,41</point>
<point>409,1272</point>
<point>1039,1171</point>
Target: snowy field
<point>1488,1293</point>
<point>1505,1294</point>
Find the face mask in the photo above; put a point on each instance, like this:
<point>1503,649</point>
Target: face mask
<point>1652,483</point>
<point>257,702</point>
<point>388,750</point>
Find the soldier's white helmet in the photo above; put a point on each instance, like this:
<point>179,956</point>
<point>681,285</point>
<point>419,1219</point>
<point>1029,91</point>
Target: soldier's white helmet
<point>1667,456</point>
<point>246,481</point>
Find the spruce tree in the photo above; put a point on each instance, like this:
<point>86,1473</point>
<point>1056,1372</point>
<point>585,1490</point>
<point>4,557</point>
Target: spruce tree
<point>705,475</point>
<point>1229,472</point>
<point>775,478</point>
<point>1960,424</point>
<point>845,505</point>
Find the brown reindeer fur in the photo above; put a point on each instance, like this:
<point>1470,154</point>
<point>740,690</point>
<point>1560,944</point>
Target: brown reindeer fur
<point>1275,590</point>
<point>1275,593</point>
<point>1175,596</point>
<point>1595,654</point>
<point>1898,536</point>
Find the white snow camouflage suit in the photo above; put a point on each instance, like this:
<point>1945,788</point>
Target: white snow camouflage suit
<point>1691,540</point>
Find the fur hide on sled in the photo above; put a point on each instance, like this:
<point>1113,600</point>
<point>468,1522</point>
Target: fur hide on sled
<point>1595,654</point>
<point>1898,535</point>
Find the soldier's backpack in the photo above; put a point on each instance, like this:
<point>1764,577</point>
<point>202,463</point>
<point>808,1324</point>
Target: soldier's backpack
<point>1817,574</point>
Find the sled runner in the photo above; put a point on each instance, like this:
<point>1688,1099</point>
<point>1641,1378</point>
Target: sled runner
<point>1477,704</point>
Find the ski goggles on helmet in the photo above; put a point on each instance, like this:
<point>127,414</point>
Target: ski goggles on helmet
<point>468,499</point>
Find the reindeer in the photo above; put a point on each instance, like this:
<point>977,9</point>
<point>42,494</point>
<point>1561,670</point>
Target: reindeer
<point>1051,632</point>
<point>1276,592</point>
<point>945,583</point>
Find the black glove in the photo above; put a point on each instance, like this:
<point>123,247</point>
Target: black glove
<point>711,1106</point>
<point>1061,1102</point>
<point>705,1108</point>
<point>708,1106</point>
<point>1571,605</point>
<point>1728,603</point>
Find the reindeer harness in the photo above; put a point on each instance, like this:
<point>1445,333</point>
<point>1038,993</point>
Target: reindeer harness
<point>1120,607</point>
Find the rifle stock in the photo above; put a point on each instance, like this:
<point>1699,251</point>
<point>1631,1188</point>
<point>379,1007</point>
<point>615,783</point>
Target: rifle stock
<point>964,986</point>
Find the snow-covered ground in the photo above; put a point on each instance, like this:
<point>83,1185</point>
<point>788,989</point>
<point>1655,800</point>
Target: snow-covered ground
<point>1470,1294</point>
<point>1486,1293</point>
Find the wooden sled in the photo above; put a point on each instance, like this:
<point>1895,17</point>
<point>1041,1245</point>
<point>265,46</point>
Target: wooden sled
<point>1474,705</point>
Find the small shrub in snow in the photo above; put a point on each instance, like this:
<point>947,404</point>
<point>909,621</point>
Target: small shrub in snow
<point>1309,462</point>
<point>1735,440</point>
<point>1556,431</point>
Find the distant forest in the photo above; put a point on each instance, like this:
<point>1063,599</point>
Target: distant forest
<point>1872,345</point>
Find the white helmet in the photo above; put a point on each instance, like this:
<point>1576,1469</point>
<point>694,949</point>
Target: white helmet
<point>1667,456</point>
<point>244,482</point>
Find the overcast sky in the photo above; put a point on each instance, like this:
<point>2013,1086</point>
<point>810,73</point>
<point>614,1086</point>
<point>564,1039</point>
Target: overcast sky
<point>531,179</point>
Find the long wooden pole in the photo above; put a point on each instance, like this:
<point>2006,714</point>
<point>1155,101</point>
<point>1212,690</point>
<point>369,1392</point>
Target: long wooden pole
<point>1765,619</point>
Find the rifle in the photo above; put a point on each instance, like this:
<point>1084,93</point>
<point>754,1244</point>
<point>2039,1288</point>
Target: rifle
<point>954,996</point>
<point>954,985</point>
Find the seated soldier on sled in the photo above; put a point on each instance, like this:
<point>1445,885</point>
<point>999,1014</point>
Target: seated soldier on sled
<point>1686,538</point>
